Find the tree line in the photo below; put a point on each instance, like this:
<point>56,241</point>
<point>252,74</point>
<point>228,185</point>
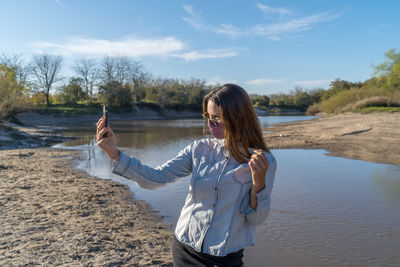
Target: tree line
<point>115,81</point>
<point>122,82</point>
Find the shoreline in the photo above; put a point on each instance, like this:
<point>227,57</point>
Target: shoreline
<point>53,213</point>
<point>373,137</point>
<point>62,120</point>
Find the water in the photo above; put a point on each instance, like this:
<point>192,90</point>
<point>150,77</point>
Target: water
<point>326,211</point>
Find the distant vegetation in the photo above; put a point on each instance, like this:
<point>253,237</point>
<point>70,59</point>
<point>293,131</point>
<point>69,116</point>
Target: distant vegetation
<point>118,82</point>
<point>122,83</point>
<point>379,93</point>
<point>12,93</point>
<point>299,99</point>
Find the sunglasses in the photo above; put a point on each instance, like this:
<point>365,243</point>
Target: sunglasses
<point>213,123</point>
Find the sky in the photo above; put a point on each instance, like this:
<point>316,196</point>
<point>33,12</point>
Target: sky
<point>266,47</point>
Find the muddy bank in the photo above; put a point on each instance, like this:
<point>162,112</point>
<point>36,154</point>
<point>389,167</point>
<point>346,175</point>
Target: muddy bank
<point>53,214</point>
<point>63,120</point>
<point>17,136</point>
<point>373,137</point>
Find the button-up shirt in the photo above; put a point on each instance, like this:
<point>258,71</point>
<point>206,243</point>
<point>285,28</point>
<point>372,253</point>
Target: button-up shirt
<point>216,218</point>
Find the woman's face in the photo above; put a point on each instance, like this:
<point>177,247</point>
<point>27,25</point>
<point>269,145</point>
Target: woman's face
<point>215,115</point>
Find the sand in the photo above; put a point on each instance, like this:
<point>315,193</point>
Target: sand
<point>52,214</point>
<point>373,137</point>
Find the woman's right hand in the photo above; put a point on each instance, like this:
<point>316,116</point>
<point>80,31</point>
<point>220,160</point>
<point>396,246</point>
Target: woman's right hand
<point>108,144</point>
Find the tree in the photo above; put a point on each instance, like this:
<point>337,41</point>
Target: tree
<point>12,97</point>
<point>88,72</point>
<point>260,101</point>
<point>46,72</point>
<point>115,94</point>
<point>339,85</point>
<point>302,101</point>
<point>126,72</point>
<point>116,68</point>
<point>140,79</point>
<point>18,66</point>
<point>196,93</point>
<point>281,100</point>
<point>115,74</point>
<point>392,59</point>
<point>316,95</point>
<point>393,78</point>
<point>72,92</point>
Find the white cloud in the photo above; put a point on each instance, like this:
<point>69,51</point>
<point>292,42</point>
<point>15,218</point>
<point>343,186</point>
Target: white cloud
<point>260,82</point>
<point>292,26</point>
<point>196,22</point>
<point>132,47</point>
<point>228,29</point>
<point>189,9</point>
<point>194,18</point>
<point>207,54</point>
<point>313,82</point>
<point>281,11</point>
<point>274,31</point>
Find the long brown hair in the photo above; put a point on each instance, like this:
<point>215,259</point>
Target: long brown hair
<point>241,122</point>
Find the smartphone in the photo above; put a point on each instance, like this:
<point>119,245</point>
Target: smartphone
<point>105,116</point>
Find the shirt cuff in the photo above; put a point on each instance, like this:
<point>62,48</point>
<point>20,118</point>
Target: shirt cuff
<point>246,208</point>
<point>122,164</point>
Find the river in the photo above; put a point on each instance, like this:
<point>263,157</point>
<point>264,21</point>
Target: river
<point>326,211</point>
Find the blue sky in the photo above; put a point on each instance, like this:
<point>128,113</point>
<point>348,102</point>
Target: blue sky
<point>265,46</point>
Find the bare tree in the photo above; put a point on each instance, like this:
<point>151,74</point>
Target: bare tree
<point>87,70</point>
<point>46,72</point>
<point>123,69</point>
<point>116,68</point>
<point>107,70</point>
<point>127,72</point>
<point>19,67</point>
<point>140,79</point>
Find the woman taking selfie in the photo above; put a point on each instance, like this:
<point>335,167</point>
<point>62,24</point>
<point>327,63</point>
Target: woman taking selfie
<point>232,176</point>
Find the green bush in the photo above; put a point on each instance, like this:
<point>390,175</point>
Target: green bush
<point>12,94</point>
<point>115,94</point>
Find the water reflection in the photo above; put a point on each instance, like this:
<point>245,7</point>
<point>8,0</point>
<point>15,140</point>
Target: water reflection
<point>140,134</point>
<point>326,211</point>
<point>387,181</point>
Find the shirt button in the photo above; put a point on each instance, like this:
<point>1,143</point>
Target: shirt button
<point>216,188</point>
<point>214,205</point>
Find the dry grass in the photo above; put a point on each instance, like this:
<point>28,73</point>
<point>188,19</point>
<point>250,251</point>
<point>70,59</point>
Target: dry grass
<point>375,101</point>
<point>357,98</point>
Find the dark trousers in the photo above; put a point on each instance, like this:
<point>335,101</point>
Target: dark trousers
<point>184,256</point>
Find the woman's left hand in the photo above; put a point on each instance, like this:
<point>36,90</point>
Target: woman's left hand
<point>258,166</point>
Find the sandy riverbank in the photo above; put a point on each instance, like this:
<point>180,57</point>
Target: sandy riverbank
<point>53,214</point>
<point>372,137</point>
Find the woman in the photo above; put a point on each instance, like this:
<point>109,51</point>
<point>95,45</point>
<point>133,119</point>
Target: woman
<point>230,188</point>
